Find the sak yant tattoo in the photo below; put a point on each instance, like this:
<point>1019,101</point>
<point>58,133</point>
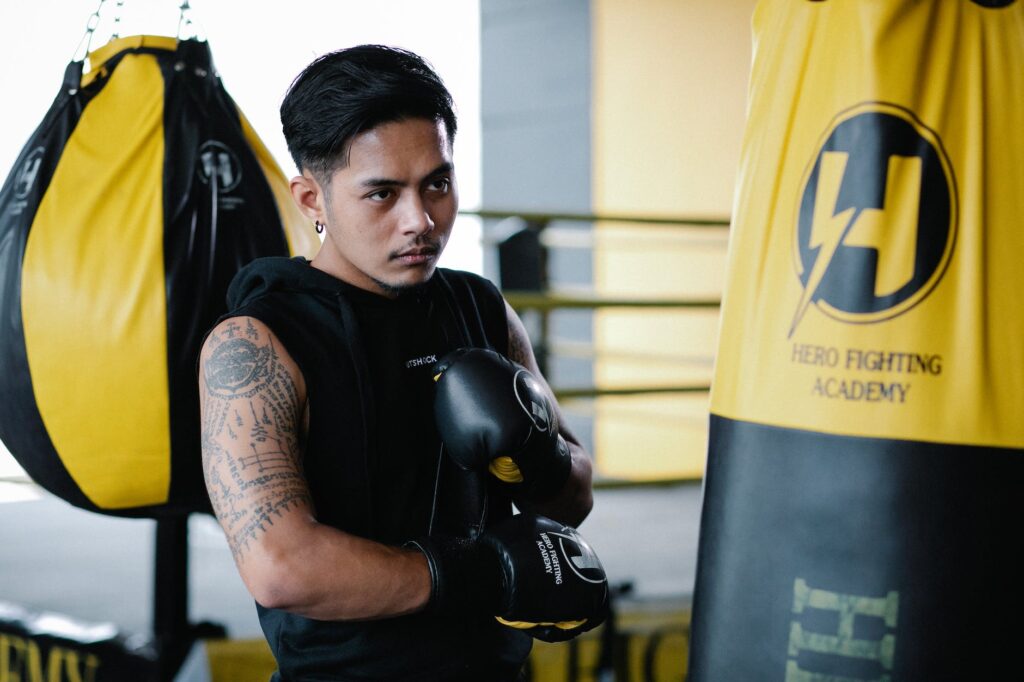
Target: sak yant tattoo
<point>518,346</point>
<point>251,423</point>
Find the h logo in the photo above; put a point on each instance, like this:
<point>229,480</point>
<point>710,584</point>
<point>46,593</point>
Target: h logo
<point>219,164</point>
<point>582,559</point>
<point>28,173</point>
<point>877,219</point>
<point>872,656</point>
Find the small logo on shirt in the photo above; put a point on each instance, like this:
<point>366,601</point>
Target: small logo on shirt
<point>420,362</point>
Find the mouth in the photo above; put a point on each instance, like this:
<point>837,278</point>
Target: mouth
<point>417,256</point>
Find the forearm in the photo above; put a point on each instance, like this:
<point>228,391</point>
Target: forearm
<point>573,502</point>
<point>322,573</point>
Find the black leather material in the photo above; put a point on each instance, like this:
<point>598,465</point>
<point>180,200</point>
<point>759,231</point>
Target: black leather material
<point>911,544</point>
<point>549,574</point>
<point>527,569</point>
<point>487,406</point>
<point>462,575</point>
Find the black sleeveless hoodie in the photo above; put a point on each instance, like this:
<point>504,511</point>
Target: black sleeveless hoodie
<point>372,457</point>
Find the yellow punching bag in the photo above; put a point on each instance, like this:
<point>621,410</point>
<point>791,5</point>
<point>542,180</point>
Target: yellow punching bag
<point>126,215</point>
<point>863,496</point>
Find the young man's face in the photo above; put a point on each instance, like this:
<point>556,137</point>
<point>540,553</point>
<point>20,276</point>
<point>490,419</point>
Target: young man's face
<point>390,210</point>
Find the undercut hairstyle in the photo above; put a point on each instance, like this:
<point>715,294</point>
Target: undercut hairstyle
<point>347,92</point>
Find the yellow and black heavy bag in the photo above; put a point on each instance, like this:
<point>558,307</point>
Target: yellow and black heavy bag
<point>126,215</point>
<point>863,497</point>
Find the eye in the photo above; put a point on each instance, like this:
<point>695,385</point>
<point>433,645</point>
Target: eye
<point>441,185</point>
<point>381,195</point>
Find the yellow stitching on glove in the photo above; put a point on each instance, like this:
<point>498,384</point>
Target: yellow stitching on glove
<point>523,625</point>
<point>506,470</point>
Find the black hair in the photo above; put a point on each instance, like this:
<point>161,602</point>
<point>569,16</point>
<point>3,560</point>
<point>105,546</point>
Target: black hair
<point>346,92</point>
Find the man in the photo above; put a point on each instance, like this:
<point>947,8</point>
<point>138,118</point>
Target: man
<point>368,552</point>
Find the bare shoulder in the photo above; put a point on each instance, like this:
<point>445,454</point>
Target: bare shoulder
<point>253,400</point>
<point>240,355</point>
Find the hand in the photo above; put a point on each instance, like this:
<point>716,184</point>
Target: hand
<point>493,413</point>
<point>528,571</point>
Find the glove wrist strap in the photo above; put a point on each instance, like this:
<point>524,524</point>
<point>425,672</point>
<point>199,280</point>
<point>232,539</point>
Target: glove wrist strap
<point>458,576</point>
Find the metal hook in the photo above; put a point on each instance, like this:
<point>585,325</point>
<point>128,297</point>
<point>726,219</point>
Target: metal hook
<point>189,28</point>
<point>184,20</point>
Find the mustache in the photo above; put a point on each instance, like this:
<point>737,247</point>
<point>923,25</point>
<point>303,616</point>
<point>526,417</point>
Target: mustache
<point>420,246</point>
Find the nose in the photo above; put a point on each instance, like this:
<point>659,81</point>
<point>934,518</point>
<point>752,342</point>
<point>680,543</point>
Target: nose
<point>416,219</point>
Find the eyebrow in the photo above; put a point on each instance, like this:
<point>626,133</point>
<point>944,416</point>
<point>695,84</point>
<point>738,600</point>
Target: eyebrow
<point>445,167</point>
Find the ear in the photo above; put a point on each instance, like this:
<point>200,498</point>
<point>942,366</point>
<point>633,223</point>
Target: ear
<point>308,196</point>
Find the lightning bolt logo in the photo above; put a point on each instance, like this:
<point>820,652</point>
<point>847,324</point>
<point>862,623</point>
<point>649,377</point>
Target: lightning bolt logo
<point>827,230</point>
<point>889,228</point>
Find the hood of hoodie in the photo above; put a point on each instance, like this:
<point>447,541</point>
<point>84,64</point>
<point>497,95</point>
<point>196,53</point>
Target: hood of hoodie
<point>280,273</point>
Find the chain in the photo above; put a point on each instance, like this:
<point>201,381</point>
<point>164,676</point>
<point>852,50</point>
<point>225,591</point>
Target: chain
<point>90,28</point>
<point>117,20</point>
<point>186,27</point>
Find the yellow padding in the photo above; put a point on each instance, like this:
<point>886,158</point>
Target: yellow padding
<point>523,625</point>
<point>506,470</point>
<point>93,296</point>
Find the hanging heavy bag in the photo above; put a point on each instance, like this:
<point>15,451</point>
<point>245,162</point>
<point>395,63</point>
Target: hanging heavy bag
<point>124,218</point>
<point>862,497</point>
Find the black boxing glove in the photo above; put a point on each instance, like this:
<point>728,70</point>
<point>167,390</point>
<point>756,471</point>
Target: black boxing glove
<point>492,412</point>
<point>530,572</point>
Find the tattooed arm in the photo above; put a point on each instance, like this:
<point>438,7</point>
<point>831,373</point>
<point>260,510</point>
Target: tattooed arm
<point>254,412</point>
<point>575,500</point>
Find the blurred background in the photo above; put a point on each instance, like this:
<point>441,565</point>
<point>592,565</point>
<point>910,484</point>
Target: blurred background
<point>596,159</point>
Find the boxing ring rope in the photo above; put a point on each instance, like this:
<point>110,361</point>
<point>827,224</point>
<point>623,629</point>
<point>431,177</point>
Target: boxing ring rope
<point>668,221</point>
<point>533,235</point>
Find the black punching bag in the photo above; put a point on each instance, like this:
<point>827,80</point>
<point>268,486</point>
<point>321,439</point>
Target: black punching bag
<point>864,491</point>
<point>127,213</point>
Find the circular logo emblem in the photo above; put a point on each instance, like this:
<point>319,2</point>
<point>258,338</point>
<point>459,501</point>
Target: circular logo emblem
<point>580,557</point>
<point>877,216</point>
<point>218,164</point>
<point>27,173</point>
<point>531,398</point>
